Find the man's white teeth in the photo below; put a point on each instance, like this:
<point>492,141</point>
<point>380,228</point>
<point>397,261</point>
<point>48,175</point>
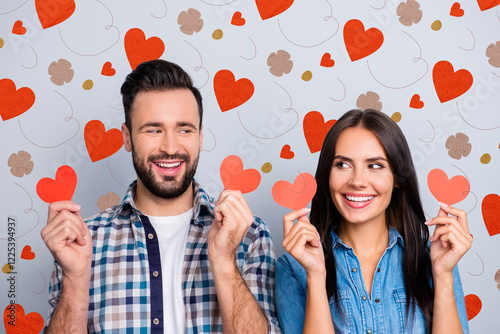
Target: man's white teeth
<point>168,165</point>
<point>358,198</point>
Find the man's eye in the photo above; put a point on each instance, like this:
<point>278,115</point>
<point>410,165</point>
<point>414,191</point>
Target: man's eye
<point>153,131</point>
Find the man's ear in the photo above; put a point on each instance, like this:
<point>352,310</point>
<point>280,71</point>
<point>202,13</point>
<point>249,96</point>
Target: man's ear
<point>127,141</point>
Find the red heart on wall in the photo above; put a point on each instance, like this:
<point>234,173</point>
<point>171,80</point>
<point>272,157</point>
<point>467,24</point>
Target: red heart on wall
<point>234,177</point>
<point>18,28</point>
<point>456,10</point>
<point>271,8</point>
<point>27,254</point>
<point>490,208</point>
<point>448,83</point>
<point>101,143</point>
<point>286,152</point>
<point>415,102</point>
<point>139,49</point>
<point>60,189</point>
<point>487,4</point>
<point>360,43</point>
<point>473,306</point>
<point>31,323</point>
<point>52,12</point>
<point>327,61</point>
<point>14,102</point>
<point>108,70</point>
<point>237,20</point>
<point>315,130</point>
<point>297,195</point>
<point>449,191</point>
<point>229,92</point>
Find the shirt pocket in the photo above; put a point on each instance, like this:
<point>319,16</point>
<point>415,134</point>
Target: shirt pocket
<point>416,321</point>
<point>342,319</point>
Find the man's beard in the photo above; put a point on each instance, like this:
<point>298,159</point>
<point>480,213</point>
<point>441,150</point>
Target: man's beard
<point>169,188</point>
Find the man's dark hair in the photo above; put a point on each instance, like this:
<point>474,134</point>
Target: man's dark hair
<point>156,75</point>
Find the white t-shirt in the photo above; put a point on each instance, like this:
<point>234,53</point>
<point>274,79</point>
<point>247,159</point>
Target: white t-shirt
<point>172,235</point>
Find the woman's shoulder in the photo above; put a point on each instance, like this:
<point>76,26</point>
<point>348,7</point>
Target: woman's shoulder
<point>286,263</point>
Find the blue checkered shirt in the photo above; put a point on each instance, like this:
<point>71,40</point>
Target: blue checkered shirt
<point>125,295</point>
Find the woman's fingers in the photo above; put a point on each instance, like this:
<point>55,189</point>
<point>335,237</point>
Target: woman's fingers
<point>288,219</point>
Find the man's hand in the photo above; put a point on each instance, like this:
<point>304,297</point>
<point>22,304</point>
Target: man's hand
<point>233,217</point>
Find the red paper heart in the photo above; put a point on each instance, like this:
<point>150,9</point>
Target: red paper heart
<point>52,12</point>
<point>237,20</point>
<point>271,8</point>
<point>27,254</point>
<point>286,152</point>
<point>139,49</point>
<point>473,306</point>
<point>487,4</point>
<point>449,191</point>
<point>297,195</point>
<point>14,102</point>
<point>101,143</point>
<point>60,189</point>
<point>456,10</point>
<point>234,177</point>
<point>31,323</point>
<point>327,61</point>
<point>491,213</point>
<point>108,70</point>
<point>448,83</point>
<point>230,93</point>
<point>315,130</point>
<point>415,102</point>
<point>360,43</point>
<point>18,28</point>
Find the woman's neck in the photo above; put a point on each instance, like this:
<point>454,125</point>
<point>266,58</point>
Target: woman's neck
<point>365,239</point>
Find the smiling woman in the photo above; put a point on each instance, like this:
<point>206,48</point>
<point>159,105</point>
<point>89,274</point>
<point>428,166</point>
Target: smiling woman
<point>371,269</point>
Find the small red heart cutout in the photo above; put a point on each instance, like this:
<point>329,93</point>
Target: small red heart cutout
<point>18,28</point>
<point>52,12</point>
<point>448,83</point>
<point>60,189</point>
<point>286,152</point>
<point>327,61</point>
<point>415,102</point>
<point>456,10</point>
<point>17,322</point>
<point>297,195</point>
<point>234,177</point>
<point>315,130</point>
<point>449,191</point>
<point>27,254</point>
<point>108,70</point>
<point>237,20</point>
<point>487,4</point>
<point>473,306</point>
<point>229,92</point>
<point>490,207</point>
<point>139,49</point>
<point>14,102</point>
<point>360,43</point>
<point>101,143</point>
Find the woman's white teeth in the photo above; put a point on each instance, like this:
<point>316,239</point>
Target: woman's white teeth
<point>358,198</point>
<point>168,165</point>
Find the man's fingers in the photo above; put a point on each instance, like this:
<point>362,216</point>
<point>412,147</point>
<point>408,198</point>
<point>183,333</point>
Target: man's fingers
<point>56,207</point>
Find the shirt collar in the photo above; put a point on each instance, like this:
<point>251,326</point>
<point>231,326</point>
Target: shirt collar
<point>394,237</point>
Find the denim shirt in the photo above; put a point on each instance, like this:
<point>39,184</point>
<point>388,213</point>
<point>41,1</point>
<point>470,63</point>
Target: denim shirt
<point>384,312</point>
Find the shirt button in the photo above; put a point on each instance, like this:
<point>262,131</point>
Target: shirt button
<point>155,273</point>
<point>364,298</point>
<point>151,236</point>
<point>354,270</point>
<point>369,331</point>
<point>156,321</point>
<point>377,300</point>
<point>378,269</point>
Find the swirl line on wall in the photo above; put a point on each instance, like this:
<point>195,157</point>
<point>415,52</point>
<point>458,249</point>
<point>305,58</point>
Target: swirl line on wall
<point>467,192</point>
<point>345,92</point>
<point>111,172</point>
<point>224,4</point>
<point>36,60</point>
<point>473,40</point>
<point>254,48</point>
<point>200,67</point>
<point>160,17</point>
<point>44,285</point>
<point>215,142</point>
<point>311,46</point>
<point>482,264</point>
<point>303,182</point>
<point>472,126</point>
<point>376,8</point>
<point>15,8</point>
<point>433,134</point>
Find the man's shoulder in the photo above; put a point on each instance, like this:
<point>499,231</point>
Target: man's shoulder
<point>104,216</point>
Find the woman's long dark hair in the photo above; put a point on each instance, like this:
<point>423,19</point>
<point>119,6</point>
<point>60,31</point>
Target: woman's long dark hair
<point>404,213</point>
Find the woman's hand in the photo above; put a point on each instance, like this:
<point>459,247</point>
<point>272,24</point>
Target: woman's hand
<point>302,242</point>
<point>451,239</point>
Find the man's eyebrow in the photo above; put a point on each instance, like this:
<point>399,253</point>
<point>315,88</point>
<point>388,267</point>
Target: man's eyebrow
<point>188,124</point>
<point>151,125</point>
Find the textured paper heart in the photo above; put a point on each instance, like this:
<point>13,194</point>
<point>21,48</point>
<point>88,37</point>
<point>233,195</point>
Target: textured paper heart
<point>415,102</point>
<point>61,188</point>
<point>108,70</point>
<point>360,43</point>
<point>490,209</point>
<point>268,9</point>
<point>456,10</point>
<point>18,28</point>
<point>101,143</point>
<point>139,49</point>
<point>27,254</point>
<point>327,61</point>
<point>449,191</point>
<point>237,20</point>
<point>14,102</point>
<point>473,306</point>
<point>286,152</point>
<point>487,4</point>
<point>297,195</point>
<point>52,12</point>
<point>315,130</point>
<point>234,177</point>
<point>229,92</point>
<point>448,83</point>
<point>17,322</point>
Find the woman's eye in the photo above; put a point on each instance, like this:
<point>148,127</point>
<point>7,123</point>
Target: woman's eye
<point>341,164</point>
<point>376,166</point>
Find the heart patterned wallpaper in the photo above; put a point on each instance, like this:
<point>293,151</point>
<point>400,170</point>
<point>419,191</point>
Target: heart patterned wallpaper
<point>275,75</point>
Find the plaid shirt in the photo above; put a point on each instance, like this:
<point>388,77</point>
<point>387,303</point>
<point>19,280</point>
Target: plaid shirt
<point>125,285</point>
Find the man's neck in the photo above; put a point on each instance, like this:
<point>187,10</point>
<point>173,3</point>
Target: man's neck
<point>152,205</point>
